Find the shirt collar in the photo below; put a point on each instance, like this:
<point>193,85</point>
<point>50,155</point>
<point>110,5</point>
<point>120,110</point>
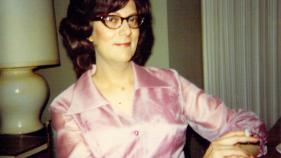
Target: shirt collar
<point>147,78</point>
<point>86,96</point>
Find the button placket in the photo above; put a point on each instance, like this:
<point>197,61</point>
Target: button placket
<point>136,132</point>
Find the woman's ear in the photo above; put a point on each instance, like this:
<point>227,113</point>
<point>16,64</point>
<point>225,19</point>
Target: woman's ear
<point>91,38</point>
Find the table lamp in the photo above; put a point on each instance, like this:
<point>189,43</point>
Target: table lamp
<point>28,41</point>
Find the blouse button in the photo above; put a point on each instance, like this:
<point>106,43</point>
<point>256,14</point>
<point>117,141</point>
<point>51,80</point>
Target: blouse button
<point>136,132</point>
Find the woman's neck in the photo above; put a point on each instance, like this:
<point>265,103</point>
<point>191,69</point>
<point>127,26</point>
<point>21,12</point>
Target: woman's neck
<point>114,74</point>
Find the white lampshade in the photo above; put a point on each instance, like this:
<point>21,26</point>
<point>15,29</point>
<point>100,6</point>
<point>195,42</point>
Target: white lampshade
<point>27,40</point>
<point>27,33</point>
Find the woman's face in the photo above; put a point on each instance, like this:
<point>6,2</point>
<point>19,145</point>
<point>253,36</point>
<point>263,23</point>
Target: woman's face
<point>116,45</point>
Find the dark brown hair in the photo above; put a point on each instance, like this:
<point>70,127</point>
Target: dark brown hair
<point>75,29</point>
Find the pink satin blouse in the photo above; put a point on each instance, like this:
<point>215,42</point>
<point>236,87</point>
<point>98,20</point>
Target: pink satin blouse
<point>164,105</point>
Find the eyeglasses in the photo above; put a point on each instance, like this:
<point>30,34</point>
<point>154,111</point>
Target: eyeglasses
<point>115,21</point>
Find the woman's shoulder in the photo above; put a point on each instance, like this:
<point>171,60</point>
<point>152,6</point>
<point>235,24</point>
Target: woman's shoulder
<point>64,98</point>
<point>161,71</point>
<point>167,75</point>
<point>173,77</point>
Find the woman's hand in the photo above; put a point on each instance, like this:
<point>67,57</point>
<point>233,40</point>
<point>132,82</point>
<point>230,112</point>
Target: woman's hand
<point>229,146</point>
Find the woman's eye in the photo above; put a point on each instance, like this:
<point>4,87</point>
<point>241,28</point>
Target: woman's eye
<point>134,19</point>
<point>112,19</point>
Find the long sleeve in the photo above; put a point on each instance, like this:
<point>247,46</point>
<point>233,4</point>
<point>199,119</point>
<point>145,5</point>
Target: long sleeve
<point>210,118</point>
<point>69,142</point>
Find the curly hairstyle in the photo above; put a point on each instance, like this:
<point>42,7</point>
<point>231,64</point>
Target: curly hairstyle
<point>75,29</point>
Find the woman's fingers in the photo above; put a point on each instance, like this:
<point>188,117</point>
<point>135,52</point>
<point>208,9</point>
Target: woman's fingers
<point>231,151</point>
<point>250,149</point>
<point>234,133</point>
<point>226,151</point>
<point>232,140</point>
<point>229,145</point>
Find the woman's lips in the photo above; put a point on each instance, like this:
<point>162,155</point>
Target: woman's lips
<point>124,44</point>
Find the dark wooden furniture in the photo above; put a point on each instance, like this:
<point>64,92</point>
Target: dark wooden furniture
<point>28,144</point>
<point>49,152</point>
<point>274,138</point>
<point>195,144</point>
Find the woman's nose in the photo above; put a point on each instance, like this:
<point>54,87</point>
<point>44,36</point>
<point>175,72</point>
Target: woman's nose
<point>125,28</point>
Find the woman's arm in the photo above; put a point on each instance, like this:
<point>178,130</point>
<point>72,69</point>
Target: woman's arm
<point>69,142</point>
<point>210,118</point>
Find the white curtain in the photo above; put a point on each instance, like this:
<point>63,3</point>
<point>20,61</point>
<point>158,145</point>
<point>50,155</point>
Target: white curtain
<point>242,54</point>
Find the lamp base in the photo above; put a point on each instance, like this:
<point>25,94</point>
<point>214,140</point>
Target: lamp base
<point>23,94</point>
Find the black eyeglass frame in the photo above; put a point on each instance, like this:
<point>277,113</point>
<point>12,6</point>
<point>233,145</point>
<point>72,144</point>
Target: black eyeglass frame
<point>102,19</point>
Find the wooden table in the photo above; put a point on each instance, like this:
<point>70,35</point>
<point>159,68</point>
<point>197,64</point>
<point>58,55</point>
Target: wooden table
<point>274,138</point>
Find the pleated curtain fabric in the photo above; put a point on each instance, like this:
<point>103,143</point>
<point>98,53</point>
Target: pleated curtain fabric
<point>242,54</point>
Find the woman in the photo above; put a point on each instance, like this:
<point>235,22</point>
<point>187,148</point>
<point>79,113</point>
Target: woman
<point>118,108</point>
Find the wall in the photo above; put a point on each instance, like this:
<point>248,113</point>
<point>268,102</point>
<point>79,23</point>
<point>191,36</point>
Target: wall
<point>185,39</point>
<point>160,51</point>
<point>60,77</point>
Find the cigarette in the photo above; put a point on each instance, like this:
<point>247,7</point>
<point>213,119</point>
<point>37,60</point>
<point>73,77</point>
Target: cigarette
<point>247,132</point>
